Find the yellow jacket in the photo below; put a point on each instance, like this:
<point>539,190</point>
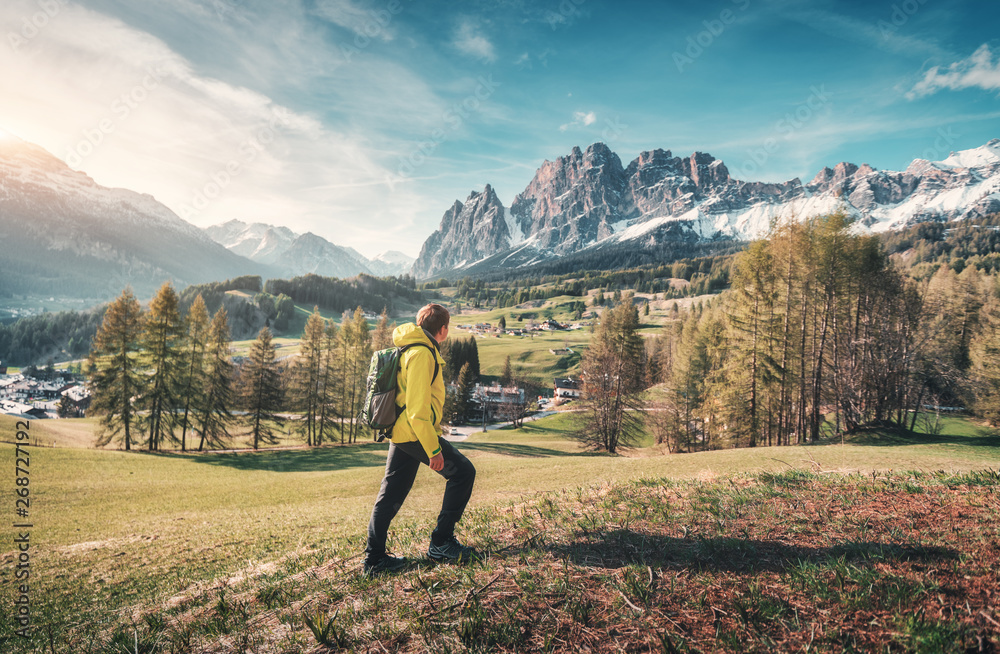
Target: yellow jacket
<point>422,399</point>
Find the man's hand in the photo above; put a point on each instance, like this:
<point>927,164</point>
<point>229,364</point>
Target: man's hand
<point>437,462</point>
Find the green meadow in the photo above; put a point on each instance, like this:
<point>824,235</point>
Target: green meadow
<point>119,537</point>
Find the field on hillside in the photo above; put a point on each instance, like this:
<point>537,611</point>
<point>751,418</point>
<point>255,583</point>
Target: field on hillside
<point>880,544</point>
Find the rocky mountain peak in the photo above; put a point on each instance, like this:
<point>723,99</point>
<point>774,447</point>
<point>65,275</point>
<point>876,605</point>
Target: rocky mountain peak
<point>469,231</point>
<point>586,199</point>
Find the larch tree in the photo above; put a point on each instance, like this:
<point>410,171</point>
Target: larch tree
<point>163,355</point>
<point>750,318</point>
<point>218,396</point>
<point>984,353</point>
<point>115,371</point>
<point>193,375</point>
<point>382,336</point>
<point>612,371</point>
<point>329,384</point>
<point>308,377</point>
<point>359,354</point>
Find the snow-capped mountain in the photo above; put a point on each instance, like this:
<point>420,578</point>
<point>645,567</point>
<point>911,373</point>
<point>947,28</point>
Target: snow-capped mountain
<point>291,254</point>
<point>64,234</point>
<point>391,262</point>
<point>589,200</point>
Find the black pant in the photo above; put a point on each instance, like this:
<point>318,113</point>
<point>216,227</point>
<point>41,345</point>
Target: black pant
<point>401,467</point>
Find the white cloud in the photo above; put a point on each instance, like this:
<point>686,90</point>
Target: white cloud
<point>580,118</point>
<point>867,33</point>
<point>366,23</point>
<point>470,41</point>
<point>977,71</point>
<point>124,107</point>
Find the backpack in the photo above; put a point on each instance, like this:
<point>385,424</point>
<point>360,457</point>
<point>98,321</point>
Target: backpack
<point>380,411</point>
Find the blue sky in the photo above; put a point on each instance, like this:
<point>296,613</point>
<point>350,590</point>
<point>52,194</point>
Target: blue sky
<point>363,120</point>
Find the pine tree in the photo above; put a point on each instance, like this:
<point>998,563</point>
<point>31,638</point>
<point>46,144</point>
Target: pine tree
<point>214,408</point>
<point>261,392</point>
<point>463,392</point>
<point>193,379</point>
<point>162,344</point>
<point>116,374</point>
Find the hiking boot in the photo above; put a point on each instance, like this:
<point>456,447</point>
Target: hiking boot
<point>385,564</point>
<point>452,550</point>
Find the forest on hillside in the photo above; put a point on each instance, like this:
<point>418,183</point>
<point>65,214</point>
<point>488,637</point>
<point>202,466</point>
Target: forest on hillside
<point>822,330</point>
<point>250,304</point>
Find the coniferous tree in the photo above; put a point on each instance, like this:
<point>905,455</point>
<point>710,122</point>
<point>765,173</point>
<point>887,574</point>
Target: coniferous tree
<point>507,374</point>
<point>751,303</point>
<point>162,344</point>
<point>308,377</point>
<point>261,391</point>
<point>214,408</point>
<point>329,390</point>
<point>382,336</point>
<point>463,393</point>
<point>984,354</point>
<point>358,344</point>
<point>193,379</point>
<point>613,377</point>
<point>116,374</point>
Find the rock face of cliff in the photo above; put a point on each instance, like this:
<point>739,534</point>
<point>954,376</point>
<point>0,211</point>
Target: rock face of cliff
<point>468,233</point>
<point>587,199</point>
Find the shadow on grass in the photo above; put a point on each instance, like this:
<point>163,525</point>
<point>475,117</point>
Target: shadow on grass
<point>981,437</point>
<point>518,450</point>
<point>614,549</point>
<point>322,459</point>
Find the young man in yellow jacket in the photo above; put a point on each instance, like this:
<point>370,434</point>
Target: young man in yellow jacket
<point>416,439</point>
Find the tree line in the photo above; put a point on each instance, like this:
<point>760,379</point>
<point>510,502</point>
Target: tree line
<point>820,330</point>
<point>159,377</point>
<point>372,293</point>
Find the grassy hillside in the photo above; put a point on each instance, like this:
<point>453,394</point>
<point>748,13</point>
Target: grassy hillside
<point>229,552</point>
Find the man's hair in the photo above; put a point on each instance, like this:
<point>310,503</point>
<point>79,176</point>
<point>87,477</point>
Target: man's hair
<point>433,317</point>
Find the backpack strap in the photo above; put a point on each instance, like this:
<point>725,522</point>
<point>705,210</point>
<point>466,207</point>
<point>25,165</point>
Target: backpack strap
<point>437,366</point>
<point>381,435</point>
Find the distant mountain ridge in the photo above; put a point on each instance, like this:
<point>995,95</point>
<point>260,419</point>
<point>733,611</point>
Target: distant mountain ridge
<point>64,234</point>
<point>291,254</point>
<point>587,199</point>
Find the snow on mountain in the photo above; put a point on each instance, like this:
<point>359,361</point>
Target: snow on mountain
<point>65,234</point>
<point>588,200</point>
<point>391,262</point>
<point>287,252</point>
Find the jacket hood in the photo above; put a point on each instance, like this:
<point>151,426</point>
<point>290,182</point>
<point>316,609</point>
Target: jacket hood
<point>409,333</point>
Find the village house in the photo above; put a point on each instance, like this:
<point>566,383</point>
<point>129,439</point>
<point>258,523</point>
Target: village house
<point>491,399</point>
<point>567,387</point>
<point>13,408</point>
<point>79,396</point>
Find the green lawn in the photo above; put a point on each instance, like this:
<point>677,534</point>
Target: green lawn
<point>116,532</point>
